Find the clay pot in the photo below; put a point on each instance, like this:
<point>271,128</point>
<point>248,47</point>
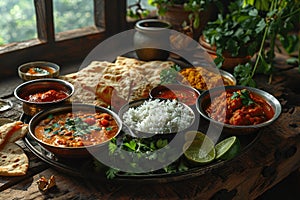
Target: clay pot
<point>151,39</point>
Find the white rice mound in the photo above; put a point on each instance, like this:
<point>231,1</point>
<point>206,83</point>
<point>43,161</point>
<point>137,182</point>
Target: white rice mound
<point>156,116</point>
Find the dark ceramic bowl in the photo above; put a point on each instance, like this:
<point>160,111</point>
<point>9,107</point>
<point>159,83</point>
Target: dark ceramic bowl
<point>205,100</point>
<point>71,152</point>
<point>146,134</point>
<point>42,85</point>
<point>42,69</point>
<point>185,94</point>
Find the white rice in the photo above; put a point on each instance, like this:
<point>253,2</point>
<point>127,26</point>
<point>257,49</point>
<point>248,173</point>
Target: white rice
<point>156,116</point>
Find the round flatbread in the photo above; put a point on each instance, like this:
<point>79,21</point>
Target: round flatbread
<point>13,160</point>
<point>105,83</point>
<point>11,132</point>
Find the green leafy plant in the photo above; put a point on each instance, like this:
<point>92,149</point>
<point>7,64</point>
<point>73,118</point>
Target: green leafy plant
<point>280,17</point>
<point>254,26</point>
<point>193,6</point>
<point>238,33</point>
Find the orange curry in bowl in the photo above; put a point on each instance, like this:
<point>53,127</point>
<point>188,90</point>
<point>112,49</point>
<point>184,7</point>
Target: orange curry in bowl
<point>240,107</point>
<point>76,129</point>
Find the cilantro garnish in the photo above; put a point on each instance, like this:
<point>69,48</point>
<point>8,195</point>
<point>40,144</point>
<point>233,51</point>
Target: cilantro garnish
<point>244,95</point>
<point>40,71</point>
<point>169,75</point>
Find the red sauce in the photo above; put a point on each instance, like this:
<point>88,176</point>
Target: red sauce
<point>48,96</point>
<point>232,108</point>
<point>185,96</point>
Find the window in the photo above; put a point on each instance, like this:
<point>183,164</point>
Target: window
<point>18,22</point>
<point>72,14</point>
<point>101,18</point>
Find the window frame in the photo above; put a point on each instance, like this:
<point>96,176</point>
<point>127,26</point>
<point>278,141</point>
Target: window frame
<point>65,47</point>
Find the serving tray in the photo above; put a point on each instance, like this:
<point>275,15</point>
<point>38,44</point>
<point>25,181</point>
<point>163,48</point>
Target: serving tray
<point>89,167</point>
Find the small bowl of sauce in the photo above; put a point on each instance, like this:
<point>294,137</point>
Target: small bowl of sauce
<point>182,93</point>
<point>38,70</point>
<point>41,94</point>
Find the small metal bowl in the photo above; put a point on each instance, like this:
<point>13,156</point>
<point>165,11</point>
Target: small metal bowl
<point>144,134</point>
<point>71,152</point>
<point>51,69</point>
<point>193,93</point>
<point>205,99</point>
<point>42,85</point>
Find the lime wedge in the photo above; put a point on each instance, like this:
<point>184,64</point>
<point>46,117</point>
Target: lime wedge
<point>200,150</point>
<point>228,148</point>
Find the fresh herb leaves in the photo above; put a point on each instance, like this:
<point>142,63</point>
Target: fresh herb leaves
<point>169,75</point>
<point>244,95</point>
<point>41,71</point>
<point>141,149</point>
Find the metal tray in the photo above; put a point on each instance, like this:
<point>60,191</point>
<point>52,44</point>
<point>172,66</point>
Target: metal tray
<point>86,168</point>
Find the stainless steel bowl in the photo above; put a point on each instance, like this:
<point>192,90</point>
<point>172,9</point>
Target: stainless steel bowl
<point>205,99</point>
<point>42,85</point>
<point>71,152</point>
<point>156,91</point>
<point>23,69</point>
<point>143,134</point>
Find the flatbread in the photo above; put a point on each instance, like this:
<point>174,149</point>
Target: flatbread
<point>113,84</point>
<point>13,160</point>
<point>11,132</point>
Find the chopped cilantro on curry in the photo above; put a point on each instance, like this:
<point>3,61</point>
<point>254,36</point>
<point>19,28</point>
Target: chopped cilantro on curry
<point>76,129</point>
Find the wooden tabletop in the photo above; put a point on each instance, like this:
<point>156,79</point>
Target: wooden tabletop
<point>270,158</point>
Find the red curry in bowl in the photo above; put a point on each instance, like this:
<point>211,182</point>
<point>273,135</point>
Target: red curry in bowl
<point>240,107</point>
<point>182,93</point>
<point>76,129</point>
<point>47,96</point>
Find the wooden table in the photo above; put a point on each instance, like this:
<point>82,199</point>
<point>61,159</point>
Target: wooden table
<point>272,157</point>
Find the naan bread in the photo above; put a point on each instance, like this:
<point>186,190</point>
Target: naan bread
<point>11,132</point>
<point>13,161</point>
<point>113,84</point>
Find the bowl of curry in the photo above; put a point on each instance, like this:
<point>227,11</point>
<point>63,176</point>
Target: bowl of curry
<point>40,94</point>
<point>183,93</point>
<point>37,70</point>
<point>74,130</point>
<point>202,78</point>
<point>238,110</point>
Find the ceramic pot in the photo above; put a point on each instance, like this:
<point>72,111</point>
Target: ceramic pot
<point>151,39</point>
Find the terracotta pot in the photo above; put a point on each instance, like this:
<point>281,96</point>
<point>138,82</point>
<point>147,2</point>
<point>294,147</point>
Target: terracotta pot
<point>229,61</point>
<point>176,16</point>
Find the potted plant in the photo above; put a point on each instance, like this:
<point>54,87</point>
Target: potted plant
<point>188,16</point>
<point>233,38</point>
<point>257,32</point>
